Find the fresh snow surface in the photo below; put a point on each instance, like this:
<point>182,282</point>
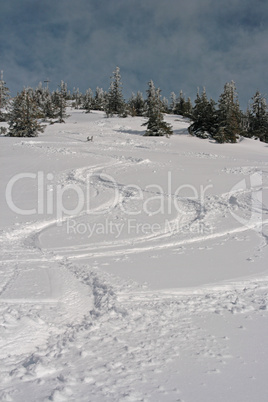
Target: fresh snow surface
<point>132,268</point>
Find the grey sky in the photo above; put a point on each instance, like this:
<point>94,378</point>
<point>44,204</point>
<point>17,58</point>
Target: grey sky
<point>178,44</point>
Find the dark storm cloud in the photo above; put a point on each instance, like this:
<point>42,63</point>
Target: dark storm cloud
<point>178,44</point>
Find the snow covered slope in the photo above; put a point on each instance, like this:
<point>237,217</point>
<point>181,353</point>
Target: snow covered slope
<point>132,268</point>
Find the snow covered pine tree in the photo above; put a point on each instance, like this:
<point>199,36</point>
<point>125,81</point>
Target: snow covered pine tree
<point>229,115</point>
<point>259,117</point>
<point>4,97</point>
<point>115,103</point>
<point>156,126</point>
<point>24,114</point>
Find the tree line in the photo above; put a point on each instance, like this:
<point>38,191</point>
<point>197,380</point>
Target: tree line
<point>223,121</point>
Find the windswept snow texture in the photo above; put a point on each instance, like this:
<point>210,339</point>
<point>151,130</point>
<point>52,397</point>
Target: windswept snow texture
<point>132,268</point>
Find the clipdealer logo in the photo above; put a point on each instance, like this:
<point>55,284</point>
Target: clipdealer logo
<point>246,202</point>
<point>71,200</point>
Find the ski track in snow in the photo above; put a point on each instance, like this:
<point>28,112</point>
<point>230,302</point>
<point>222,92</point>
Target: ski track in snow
<point>74,333</point>
<point>210,210</point>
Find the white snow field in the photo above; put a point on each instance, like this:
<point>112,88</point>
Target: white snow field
<point>132,268</point>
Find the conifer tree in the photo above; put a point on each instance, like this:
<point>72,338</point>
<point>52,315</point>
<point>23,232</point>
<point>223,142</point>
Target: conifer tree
<point>49,108</point>
<point>99,100</point>
<point>59,98</point>
<point>258,120</point>
<point>245,123</point>
<point>77,97</point>
<point>165,105</point>
<point>115,103</point>
<point>203,116</point>
<point>180,104</point>
<point>229,115</point>
<point>88,100</point>
<point>39,94</point>
<point>156,126</point>
<point>188,108</point>
<point>64,90</point>
<point>131,105</point>
<point>173,102</point>
<point>24,113</point>
<point>4,97</point>
<point>136,104</point>
<point>43,99</point>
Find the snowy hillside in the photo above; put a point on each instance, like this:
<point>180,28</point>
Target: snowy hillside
<point>132,268</point>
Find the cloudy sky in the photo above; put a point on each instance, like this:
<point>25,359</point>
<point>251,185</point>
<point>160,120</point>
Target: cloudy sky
<point>179,44</point>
